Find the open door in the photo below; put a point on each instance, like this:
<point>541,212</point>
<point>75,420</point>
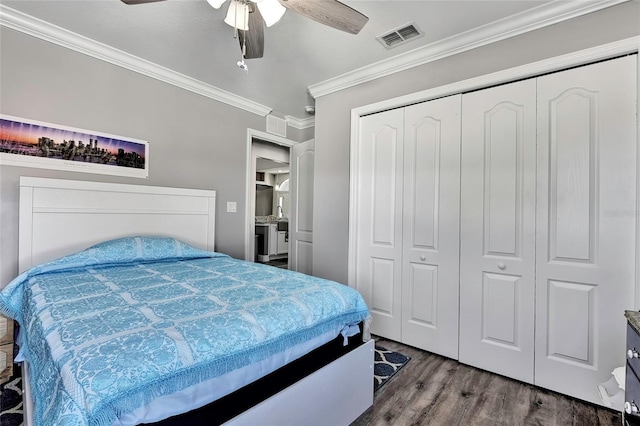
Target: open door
<point>301,209</point>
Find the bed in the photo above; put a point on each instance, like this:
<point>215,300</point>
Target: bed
<point>143,322</point>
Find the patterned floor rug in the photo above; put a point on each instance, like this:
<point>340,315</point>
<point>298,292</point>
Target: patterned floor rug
<point>11,400</point>
<point>385,365</point>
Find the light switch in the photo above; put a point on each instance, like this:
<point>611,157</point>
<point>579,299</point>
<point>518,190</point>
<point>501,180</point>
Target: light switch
<point>231,206</point>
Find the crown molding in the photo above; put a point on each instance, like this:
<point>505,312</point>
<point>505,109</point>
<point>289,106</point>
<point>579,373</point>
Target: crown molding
<point>539,17</point>
<point>300,123</point>
<point>626,46</point>
<point>43,30</point>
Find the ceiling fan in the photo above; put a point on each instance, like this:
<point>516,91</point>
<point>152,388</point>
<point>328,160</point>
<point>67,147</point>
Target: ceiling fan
<point>249,18</point>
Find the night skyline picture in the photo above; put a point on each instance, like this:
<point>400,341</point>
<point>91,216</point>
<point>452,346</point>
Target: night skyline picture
<point>67,148</point>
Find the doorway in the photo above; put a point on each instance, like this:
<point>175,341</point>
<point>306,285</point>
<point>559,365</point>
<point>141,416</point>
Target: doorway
<point>268,210</point>
<point>271,241</point>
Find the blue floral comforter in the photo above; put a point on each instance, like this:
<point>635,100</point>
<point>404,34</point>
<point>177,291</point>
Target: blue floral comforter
<point>108,329</point>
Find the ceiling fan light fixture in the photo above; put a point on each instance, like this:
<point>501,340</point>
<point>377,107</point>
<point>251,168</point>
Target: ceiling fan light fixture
<point>238,15</point>
<point>216,4</point>
<point>271,11</point>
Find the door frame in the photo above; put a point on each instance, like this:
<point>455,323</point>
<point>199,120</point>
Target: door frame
<point>250,195</point>
<point>598,53</point>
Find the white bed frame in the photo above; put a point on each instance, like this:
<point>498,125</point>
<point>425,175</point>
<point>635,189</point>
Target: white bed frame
<point>59,217</point>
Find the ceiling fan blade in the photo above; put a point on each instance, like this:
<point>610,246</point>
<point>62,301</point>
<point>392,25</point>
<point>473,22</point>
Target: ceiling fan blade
<point>253,38</point>
<point>130,2</point>
<point>329,12</point>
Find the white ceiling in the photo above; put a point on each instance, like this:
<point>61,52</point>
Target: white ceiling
<point>271,166</point>
<point>189,37</point>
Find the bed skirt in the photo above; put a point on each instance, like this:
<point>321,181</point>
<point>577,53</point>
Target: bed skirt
<point>230,406</point>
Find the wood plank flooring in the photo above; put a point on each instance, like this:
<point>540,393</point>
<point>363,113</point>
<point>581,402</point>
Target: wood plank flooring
<point>433,390</point>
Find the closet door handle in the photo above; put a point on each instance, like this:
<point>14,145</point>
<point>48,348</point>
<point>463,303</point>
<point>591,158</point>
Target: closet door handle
<point>501,266</point>
<point>423,257</point>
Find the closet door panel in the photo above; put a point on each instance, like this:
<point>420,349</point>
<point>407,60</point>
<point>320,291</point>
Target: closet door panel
<point>422,289</point>
<point>497,226</point>
<point>379,225</point>
<point>501,165</point>
<point>573,155</point>
<point>499,312</point>
<point>431,208</point>
<point>573,334</point>
<point>586,224</point>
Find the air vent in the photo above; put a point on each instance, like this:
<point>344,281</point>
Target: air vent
<point>399,36</point>
<point>276,126</point>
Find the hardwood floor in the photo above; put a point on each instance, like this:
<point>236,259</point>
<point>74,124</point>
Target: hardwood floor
<point>433,390</point>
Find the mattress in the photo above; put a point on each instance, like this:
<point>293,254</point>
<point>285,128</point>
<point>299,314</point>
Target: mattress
<point>108,330</point>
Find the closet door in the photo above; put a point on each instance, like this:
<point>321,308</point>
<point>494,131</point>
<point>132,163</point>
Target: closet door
<point>430,258</point>
<point>586,224</point>
<point>497,229</point>
<point>379,219</point>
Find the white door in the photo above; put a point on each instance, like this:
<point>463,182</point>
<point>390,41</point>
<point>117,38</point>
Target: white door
<point>301,209</point>
<point>586,224</point>
<point>431,208</point>
<point>497,229</point>
<point>378,213</point>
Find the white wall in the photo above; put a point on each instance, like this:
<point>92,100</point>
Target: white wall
<point>332,132</point>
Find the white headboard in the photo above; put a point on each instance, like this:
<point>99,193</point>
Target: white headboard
<point>58,217</point>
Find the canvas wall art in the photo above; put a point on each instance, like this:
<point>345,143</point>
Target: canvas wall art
<point>30,143</point>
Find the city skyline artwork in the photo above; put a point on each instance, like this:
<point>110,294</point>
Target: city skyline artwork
<point>32,143</point>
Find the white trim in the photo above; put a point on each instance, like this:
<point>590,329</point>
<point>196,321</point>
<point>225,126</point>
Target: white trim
<point>354,174</point>
<point>539,17</point>
<point>300,123</point>
<point>269,137</point>
<point>43,30</point>
<point>250,200</point>
<point>637,277</point>
<point>610,50</point>
<point>606,51</point>
<point>83,185</point>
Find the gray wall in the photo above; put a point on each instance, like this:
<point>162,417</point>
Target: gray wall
<point>300,135</point>
<point>332,132</point>
<point>194,141</point>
